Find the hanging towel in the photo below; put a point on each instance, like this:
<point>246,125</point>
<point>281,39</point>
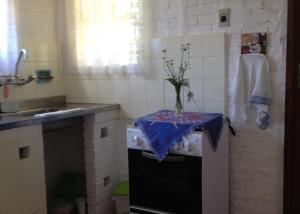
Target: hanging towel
<point>252,87</point>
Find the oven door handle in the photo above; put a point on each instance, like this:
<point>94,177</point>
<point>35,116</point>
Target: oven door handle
<point>167,158</point>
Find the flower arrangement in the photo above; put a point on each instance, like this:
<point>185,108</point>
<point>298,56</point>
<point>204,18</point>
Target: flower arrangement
<point>176,77</point>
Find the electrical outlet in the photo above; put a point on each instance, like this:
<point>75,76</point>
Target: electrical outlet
<point>224,18</point>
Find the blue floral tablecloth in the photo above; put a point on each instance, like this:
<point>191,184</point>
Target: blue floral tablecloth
<point>165,128</point>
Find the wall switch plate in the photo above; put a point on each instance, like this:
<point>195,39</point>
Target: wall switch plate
<point>224,17</point>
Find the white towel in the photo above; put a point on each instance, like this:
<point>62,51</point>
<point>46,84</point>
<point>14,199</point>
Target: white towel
<point>252,86</point>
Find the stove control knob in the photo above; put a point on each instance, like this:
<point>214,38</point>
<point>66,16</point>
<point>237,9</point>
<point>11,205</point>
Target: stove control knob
<point>175,147</point>
<point>135,140</point>
<point>186,145</point>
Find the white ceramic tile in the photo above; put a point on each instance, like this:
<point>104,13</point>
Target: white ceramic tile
<point>155,48</point>
<point>121,89</point>
<point>153,106</point>
<point>137,76</point>
<point>137,108</point>
<point>46,51</point>
<point>214,90</point>
<point>70,86</point>
<point>89,89</point>
<point>47,31</point>
<point>193,106</point>
<point>28,25</point>
<point>196,70</point>
<point>29,91</point>
<point>44,89</point>
<point>169,105</point>
<point>197,88</point>
<point>173,47</point>
<point>14,92</point>
<point>213,45</point>
<point>155,90</point>
<point>195,45</point>
<point>155,69</point>
<point>106,89</point>
<point>214,107</point>
<point>214,67</point>
<point>137,89</point>
<point>58,87</point>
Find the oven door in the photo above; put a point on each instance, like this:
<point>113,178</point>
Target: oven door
<point>170,186</point>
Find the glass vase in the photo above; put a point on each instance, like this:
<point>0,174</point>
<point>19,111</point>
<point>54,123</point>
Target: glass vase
<point>178,105</point>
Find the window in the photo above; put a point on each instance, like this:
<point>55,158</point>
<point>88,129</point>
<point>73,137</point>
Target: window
<point>8,38</point>
<point>103,35</point>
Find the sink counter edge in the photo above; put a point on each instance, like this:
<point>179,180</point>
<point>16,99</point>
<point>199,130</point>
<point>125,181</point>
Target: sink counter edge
<point>9,122</point>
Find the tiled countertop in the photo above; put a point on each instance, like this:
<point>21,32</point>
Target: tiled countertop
<point>8,122</point>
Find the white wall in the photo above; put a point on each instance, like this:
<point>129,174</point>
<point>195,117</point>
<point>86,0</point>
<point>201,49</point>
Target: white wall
<point>36,28</point>
<point>149,92</point>
<point>256,156</point>
<point>206,74</point>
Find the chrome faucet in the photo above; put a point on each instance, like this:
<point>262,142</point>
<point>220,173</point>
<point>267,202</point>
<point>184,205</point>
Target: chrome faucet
<point>16,79</point>
<point>22,55</point>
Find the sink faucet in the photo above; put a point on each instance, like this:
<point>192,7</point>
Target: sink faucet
<point>22,55</point>
<point>15,79</point>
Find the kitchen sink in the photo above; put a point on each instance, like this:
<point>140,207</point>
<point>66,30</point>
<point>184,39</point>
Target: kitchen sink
<point>31,112</point>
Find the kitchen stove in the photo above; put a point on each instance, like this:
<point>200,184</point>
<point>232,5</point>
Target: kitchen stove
<point>190,145</point>
<point>191,179</point>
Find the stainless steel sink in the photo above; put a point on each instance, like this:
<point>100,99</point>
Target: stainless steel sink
<point>31,112</point>
<point>41,107</point>
<point>42,104</point>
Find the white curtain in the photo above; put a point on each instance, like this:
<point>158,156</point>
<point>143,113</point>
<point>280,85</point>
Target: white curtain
<point>103,35</point>
<point>8,38</point>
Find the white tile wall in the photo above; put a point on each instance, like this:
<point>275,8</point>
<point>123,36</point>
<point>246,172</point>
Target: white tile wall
<point>139,95</point>
<point>37,34</point>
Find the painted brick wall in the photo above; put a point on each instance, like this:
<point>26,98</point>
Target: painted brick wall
<point>256,156</point>
<point>101,160</point>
